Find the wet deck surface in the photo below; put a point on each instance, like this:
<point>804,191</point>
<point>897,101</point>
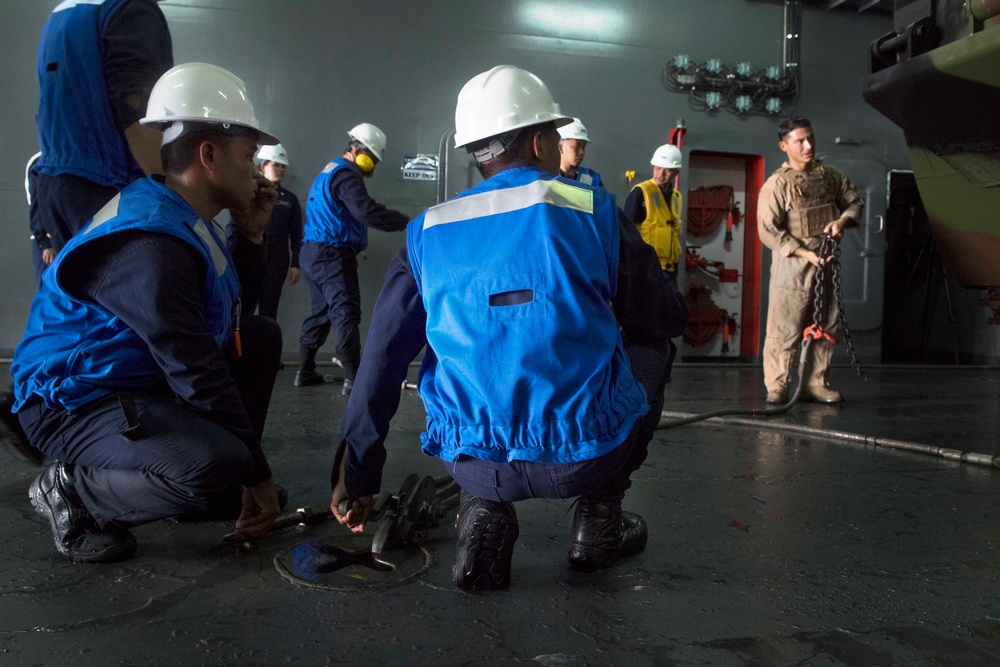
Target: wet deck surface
<point>765,549</point>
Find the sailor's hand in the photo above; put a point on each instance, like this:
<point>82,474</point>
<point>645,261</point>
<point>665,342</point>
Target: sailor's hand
<point>356,515</point>
<point>252,221</point>
<point>835,229</point>
<point>260,509</point>
<point>357,510</point>
<point>812,257</point>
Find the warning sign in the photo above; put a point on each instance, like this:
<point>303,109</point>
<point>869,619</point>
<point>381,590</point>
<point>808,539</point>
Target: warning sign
<point>420,167</point>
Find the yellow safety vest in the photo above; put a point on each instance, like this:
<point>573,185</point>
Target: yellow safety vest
<point>662,226</point>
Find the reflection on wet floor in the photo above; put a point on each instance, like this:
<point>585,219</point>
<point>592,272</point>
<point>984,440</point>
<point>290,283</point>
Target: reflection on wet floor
<point>766,548</point>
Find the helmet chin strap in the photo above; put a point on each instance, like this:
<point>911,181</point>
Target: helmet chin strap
<point>172,132</point>
<point>178,128</point>
<point>498,146</point>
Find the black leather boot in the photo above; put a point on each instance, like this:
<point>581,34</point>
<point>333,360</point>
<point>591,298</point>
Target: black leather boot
<point>487,531</point>
<point>307,376</point>
<point>75,532</point>
<point>602,534</point>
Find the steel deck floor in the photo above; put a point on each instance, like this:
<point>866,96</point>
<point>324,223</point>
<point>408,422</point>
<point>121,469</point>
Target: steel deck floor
<point>765,549</point>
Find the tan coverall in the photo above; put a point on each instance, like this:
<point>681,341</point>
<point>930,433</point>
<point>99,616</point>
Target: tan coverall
<point>791,207</point>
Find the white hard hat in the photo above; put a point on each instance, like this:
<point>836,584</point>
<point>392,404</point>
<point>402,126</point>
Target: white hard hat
<point>575,130</point>
<point>201,93</point>
<point>668,156</point>
<point>503,99</point>
<point>372,138</point>
<point>275,153</point>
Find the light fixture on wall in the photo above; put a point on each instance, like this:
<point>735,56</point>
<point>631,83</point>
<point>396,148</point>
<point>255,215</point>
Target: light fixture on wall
<point>574,20</point>
<point>741,89</point>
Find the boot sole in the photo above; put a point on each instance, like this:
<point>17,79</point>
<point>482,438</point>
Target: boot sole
<point>36,497</point>
<point>586,558</point>
<point>827,401</point>
<point>589,558</point>
<point>38,500</point>
<point>488,554</point>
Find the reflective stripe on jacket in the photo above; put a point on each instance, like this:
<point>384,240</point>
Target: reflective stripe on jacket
<point>75,351</point>
<point>525,358</point>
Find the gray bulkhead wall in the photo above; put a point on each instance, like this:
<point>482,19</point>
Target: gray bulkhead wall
<point>315,68</point>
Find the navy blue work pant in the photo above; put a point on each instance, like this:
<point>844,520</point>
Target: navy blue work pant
<point>38,233</point>
<point>175,461</point>
<point>332,276</point>
<point>274,281</point>
<point>36,261</point>
<point>62,205</point>
<point>605,478</point>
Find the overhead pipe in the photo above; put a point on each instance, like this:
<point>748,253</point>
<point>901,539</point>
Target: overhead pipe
<point>793,24</point>
<point>444,151</point>
<point>791,54</point>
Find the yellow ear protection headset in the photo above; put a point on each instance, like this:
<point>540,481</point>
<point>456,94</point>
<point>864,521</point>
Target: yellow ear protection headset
<point>362,160</point>
<point>364,163</point>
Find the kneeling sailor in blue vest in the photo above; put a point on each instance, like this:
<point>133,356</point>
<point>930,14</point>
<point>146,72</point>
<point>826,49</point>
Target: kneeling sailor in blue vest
<point>137,373</point>
<point>547,323</point>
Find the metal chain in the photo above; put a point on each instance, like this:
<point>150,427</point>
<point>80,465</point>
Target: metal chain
<point>819,284</point>
<point>829,248</point>
<point>842,314</point>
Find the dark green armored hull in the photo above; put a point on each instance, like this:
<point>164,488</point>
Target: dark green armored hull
<point>947,101</point>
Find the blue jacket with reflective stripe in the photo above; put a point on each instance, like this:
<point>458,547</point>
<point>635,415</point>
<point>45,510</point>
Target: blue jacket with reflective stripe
<point>77,132</point>
<point>75,351</point>
<point>327,220</point>
<point>525,359</point>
